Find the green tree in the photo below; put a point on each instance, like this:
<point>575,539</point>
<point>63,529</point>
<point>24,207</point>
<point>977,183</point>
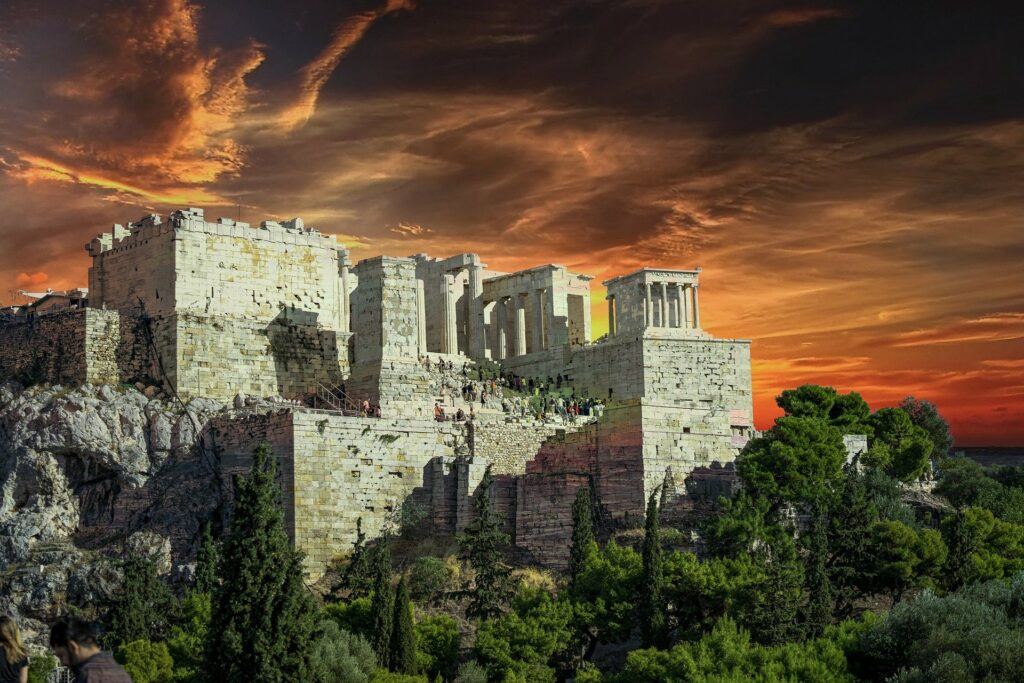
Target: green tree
<point>525,641</point>
<point>820,596</point>
<point>653,618</point>
<point>809,400</point>
<point>207,558</point>
<point>583,541</point>
<point>772,606</point>
<point>429,579</point>
<point>743,523</point>
<point>40,667</point>
<point>728,653</point>
<point>143,607</point>
<point>262,624</point>
<point>849,534</point>
<point>795,461</point>
<point>189,636</point>
<point>146,662</point>
<point>925,415</point>
<point>898,447</point>
<point>604,594</point>
<point>383,602</point>
<point>437,645</point>
<point>904,558</point>
<point>402,651</point>
<point>962,545</point>
<point>484,545</point>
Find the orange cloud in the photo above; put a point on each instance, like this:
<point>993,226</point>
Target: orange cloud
<point>31,279</point>
<point>317,72</point>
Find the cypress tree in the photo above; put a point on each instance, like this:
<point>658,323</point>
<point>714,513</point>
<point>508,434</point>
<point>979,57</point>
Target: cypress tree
<point>383,603</point>
<point>851,565</point>
<point>961,544</point>
<point>207,558</point>
<point>262,626</point>
<point>582,530</point>
<point>652,589</point>
<point>484,544</point>
<point>820,596</point>
<point>144,605</point>
<point>403,637</point>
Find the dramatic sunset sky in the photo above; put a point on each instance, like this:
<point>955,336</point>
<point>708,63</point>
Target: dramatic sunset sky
<point>850,176</point>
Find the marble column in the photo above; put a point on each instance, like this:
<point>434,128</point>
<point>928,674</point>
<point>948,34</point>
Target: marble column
<point>680,306</point>
<point>696,308</point>
<point>664,304</point>
<point>447,313</point>
<point>537,328</point>
<point>502,337</point>
<point>686,306</point>
<point>648,308</point>
<point>344,322</point>
<point>520,325</point>
<point>611,315</point>
<point>421,318</point>
<point>475,328</point>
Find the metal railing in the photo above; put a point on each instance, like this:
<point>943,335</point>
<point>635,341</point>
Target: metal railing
<point>334,399</point>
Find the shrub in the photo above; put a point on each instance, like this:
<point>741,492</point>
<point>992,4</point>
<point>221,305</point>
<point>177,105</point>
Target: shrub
<point>147,662</point>
<point>39,668</point>
<point>471,672</point>
<point>437,642</point>
<point>354,616</point>
<point>429,579</point>
<point>341,657</point>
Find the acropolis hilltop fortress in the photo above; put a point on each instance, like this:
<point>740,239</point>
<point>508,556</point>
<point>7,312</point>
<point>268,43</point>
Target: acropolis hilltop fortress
<point>223,310</point>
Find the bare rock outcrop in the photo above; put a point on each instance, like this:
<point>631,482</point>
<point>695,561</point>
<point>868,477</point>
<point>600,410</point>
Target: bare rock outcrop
<point>88,474</point>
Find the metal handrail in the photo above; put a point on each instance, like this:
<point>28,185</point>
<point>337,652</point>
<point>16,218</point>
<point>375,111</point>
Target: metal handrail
<point>336,399</point>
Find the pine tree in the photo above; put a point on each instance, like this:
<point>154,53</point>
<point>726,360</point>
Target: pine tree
<point>207,558</point>
<point>582,530</point>
<point>403,637</point>
<point>774,603</point>
<point>652,602</point>
<point>144,606</point>
<point>484,544</point>
<point>262,626</point>
<point>820,596</point>
<point>383,603</point>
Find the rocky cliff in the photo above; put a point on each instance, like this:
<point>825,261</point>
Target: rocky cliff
<point>90,473</point>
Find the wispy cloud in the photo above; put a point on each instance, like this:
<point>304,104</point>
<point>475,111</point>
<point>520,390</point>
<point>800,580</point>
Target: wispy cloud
<point>315,74</point>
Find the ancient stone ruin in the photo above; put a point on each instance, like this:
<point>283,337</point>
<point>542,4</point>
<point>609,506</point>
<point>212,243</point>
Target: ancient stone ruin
<point>223,311</point>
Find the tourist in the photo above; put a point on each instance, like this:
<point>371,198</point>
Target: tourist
<point>13,656</point>
<point>438,412</point>
<point>75,642</point>
<point>364,410</point>
<point>460,415</point>
<point>376,410</point>
<point>472,413</point>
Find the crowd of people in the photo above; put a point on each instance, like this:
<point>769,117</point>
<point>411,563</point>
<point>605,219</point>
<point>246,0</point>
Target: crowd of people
<point>75,643</point>
<point>521,397</point>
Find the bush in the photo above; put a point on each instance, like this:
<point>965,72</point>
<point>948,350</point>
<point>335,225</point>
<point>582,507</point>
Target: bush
<point>471,672</point>
<point>973,634</point>
<point>429,579</point>
<point>147,662</point>
<point>341,657</point>
<point>354,616</point>
<point>39,668</point>
<point>525,641</point>
<point>437,642</point>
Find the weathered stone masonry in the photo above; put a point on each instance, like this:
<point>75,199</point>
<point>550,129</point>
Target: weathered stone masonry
<point>217,309</point>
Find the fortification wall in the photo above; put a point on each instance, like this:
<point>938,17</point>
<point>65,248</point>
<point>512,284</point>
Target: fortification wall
<point>74,347</point>
<point>509,446</point>
<point>336,469</point>
<point>698,406</point>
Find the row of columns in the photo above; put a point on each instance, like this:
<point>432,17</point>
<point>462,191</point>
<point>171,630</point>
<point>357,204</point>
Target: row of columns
<point>662,311</point>
<point>514,306</point>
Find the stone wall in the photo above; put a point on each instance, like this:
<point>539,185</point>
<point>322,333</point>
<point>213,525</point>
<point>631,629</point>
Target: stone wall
<point>336,469</point>
<point>73,347</point>
<point>509,446</point>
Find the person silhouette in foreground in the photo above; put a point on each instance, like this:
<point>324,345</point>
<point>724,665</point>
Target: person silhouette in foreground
<point>75,642</point>
<point>13,657</point>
